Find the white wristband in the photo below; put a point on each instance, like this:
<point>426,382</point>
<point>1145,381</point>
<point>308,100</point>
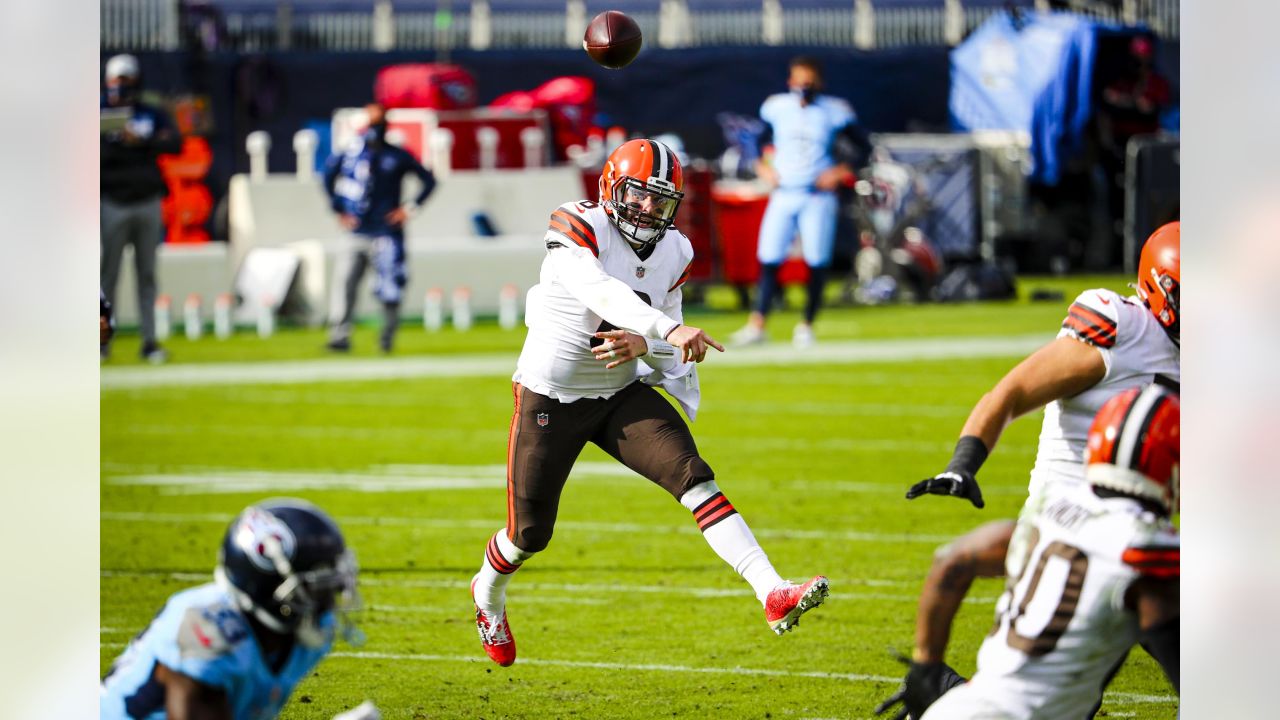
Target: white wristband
<point>659,349</point>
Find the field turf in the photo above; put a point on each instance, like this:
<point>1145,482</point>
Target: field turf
<point>628,614</point>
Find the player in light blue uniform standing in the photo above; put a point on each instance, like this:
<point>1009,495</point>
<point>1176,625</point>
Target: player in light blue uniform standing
<point>236,648</point>
<point>805,170</point>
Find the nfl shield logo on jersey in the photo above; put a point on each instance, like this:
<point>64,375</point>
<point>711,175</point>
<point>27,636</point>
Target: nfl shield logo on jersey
<point>640,271</point>
<point>543,420</point>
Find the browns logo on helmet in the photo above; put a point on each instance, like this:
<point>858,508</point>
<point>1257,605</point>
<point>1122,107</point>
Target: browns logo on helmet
<point>1160,277</point>
<point>1133,446</point>
<point>640,189</point>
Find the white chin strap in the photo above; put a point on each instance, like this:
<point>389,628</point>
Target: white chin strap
<point>246,603</point>
<point>638,236</point>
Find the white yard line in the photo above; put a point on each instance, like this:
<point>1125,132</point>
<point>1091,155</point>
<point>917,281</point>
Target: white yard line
<point>1115,698</point>
<point>489,365</point>
<point>494,524</point>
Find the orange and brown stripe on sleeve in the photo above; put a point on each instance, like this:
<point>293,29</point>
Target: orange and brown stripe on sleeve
<point>684,276</point>
<point>1154,562</point>
<point>1091,326</point>
<point>575,230</point>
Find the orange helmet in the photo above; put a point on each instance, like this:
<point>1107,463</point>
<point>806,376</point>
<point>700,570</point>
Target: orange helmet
<point>1133,446</point>
<point>641,187</point>
<point>1160,276</point>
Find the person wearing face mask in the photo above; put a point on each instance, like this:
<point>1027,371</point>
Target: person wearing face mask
<point>365,188</point>
<point>133,134</point>
<point>804,161</point>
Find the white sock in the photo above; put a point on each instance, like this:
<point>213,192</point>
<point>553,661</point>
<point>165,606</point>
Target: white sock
<point>501,560</point>
<point>728,535</point>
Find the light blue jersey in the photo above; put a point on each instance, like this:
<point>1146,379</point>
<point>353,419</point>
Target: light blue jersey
<point>202,635</point>
<point>803,136</point>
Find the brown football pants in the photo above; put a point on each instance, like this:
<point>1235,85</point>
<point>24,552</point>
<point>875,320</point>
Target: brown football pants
<point>637,426</point>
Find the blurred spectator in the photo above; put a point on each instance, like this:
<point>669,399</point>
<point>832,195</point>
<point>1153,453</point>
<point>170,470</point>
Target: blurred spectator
<point>1132,103</point>
<point>799,160</point>
<point>1130,106</point>
<point>365,186</point>
<point>132,135</point>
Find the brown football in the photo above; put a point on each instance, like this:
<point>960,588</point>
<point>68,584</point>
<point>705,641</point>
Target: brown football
<point>612,39</point>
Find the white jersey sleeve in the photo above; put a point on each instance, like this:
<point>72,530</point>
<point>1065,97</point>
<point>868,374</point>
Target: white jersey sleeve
<point>1135,351</point>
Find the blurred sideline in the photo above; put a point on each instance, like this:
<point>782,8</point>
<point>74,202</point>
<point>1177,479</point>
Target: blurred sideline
<point>488,365</point>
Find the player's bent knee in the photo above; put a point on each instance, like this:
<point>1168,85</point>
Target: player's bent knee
<point>690,473</point>
<point>533,539</point>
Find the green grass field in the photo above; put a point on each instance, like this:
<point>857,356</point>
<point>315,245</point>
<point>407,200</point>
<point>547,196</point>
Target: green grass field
<point>628,614</point>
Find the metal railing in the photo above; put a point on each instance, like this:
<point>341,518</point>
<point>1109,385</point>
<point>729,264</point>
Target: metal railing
<point>346,25</point>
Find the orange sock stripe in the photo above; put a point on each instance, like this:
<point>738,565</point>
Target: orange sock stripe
<point>499,563</point>
<point>710,505</point>
<point>720,514</point>
<point>712,511</point>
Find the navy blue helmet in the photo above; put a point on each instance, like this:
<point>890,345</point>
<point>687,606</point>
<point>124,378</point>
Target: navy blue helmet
<point>286,564</point>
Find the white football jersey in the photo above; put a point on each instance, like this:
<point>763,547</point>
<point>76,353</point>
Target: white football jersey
<point>1061,624</point>
<point>592,280</point>
<point>1136,351</point>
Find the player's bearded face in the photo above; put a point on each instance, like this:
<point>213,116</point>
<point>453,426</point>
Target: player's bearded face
<point>646,209</point>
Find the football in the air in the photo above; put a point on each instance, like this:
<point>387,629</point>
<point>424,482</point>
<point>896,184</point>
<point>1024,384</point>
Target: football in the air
<point>612,39</point>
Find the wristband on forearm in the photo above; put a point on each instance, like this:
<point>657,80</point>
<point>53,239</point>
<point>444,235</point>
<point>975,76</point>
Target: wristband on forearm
<point>969,455</point>
<point>667,334</point>
<point>659,349</point>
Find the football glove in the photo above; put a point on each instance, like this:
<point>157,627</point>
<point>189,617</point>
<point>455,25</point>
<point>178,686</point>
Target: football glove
<point>958,480</point>
<point>962,485</point>
<point>923,685</point>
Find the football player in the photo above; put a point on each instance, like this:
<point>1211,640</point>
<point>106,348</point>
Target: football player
<point>236,648</point>
<point>810,145</point>
<point>605,326</point>
<point>1093,570</point>
<point>1107,344</point>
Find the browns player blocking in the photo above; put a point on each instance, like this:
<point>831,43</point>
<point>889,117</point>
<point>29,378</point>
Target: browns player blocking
<point>1107,344</point>
<point>610,295</point>
<point>1093,570</point>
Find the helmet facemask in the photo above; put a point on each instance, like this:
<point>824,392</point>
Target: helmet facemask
<point>1167,291</point>
<point>641,211</point>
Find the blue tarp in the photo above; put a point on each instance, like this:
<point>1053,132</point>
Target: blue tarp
<point>1034,75</point>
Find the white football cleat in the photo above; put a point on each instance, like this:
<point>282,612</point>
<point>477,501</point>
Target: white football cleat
<point>803,336</point>
<point>748,335</point>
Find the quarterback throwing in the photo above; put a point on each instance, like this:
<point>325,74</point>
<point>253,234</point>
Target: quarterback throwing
<point>605,327</point>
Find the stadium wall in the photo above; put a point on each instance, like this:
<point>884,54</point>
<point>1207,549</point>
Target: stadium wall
<point>681,91</point>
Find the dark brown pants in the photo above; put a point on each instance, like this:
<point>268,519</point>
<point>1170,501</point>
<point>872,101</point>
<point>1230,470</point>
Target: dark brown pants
<point>637,426</point>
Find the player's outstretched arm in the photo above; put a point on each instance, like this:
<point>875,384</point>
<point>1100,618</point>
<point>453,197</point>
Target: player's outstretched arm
<point>980,553</point>
<point>1063,368</point>
<point>693,342</point>
<point>187,699</point>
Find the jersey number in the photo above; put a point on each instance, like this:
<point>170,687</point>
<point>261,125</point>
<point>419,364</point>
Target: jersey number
<point>606,326</point>
<point>1068,600</point>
